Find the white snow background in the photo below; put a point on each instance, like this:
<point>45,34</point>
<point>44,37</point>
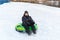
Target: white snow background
<point>47,18</point>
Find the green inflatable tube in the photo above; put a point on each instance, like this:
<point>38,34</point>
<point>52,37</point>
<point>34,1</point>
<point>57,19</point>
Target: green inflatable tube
<point>21,28</point>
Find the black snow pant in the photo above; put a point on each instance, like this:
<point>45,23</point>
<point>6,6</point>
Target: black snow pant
<point>27,29</point>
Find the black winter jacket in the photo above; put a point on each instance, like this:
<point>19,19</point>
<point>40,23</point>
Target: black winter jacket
<point>27,20</point>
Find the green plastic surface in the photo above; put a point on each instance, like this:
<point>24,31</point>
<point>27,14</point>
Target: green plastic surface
<point>19,27</point>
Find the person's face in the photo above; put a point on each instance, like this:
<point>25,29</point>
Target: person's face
<point>26,14</point>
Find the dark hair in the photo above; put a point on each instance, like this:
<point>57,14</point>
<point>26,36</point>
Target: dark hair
<point>25,13</point>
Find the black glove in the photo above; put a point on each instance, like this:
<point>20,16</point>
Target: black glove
<point>32,23</point>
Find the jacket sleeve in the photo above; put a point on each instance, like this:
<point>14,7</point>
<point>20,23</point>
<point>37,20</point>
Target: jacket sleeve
<point>32,20</point>
<point>23,19</point>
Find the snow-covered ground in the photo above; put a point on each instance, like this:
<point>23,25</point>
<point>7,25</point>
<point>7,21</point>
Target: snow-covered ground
<point>47,18</point>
